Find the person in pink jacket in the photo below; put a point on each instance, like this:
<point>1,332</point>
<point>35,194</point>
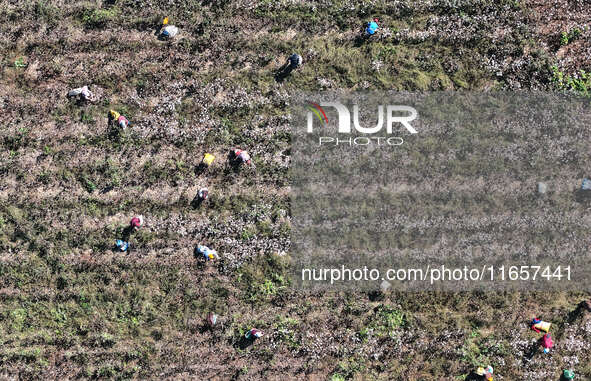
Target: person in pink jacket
<point>547,342</point>
<point>136,222</point>
<point>122,122</point>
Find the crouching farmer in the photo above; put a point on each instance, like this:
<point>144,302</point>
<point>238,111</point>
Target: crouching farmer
<point>136,222</point>
<point>82,93</point>
<point>203,194</point>
<point>371,28</point>
<point>253,334</point>
<point>121,245</point>
<point>206,252</point>
<point>118,119</point>
<point>241,156</point>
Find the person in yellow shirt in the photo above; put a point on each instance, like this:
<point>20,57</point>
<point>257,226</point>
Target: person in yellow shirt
<point>540,325</point>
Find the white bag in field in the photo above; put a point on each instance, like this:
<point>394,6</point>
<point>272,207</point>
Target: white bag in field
<point>75,92</point>
<point>82,92</point>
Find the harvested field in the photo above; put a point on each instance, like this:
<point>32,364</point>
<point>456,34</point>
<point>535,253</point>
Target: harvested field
<point>73,308</point>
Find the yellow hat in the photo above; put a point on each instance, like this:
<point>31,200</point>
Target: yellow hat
<point>480,371</point>
<point>208,159</point>
<point>165,21</point>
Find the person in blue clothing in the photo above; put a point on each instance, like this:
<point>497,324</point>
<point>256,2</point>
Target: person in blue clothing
<point>294,61</point>
<point>206,252</point>
<point>122,245</point>
<point>372,27</point>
